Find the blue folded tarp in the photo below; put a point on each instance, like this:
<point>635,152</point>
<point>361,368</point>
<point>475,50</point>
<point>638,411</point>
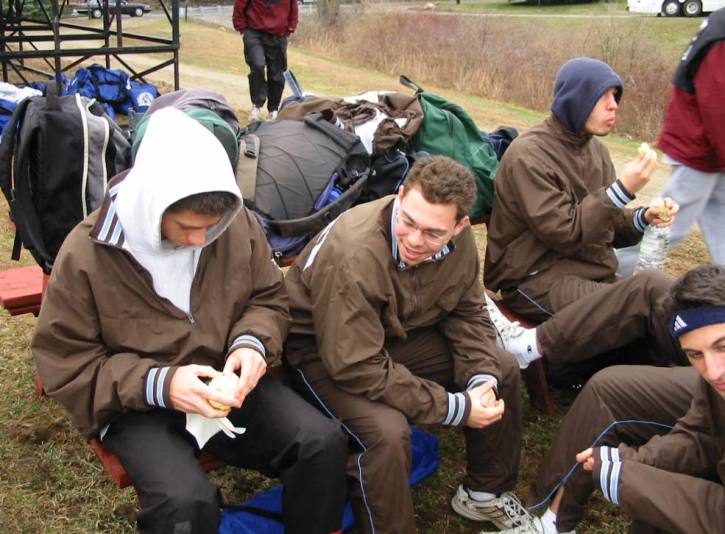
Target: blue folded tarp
<point>267,505</point>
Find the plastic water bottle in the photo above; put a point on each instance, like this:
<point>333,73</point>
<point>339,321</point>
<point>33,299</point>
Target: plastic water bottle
<point>653,248</point>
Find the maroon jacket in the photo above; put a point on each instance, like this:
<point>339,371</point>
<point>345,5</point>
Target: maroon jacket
<point>694,126</point>
<point>278,17</point>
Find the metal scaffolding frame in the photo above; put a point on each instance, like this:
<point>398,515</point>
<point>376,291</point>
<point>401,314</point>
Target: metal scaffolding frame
<point>27,37</point>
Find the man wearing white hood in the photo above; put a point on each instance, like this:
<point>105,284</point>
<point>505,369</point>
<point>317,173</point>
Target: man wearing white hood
<point>170,282</point>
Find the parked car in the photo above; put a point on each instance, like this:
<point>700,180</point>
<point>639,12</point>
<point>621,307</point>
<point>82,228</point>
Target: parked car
<point>94,8</point>
<point>675,8</point>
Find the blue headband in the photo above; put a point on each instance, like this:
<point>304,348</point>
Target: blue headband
<point>690,319</point>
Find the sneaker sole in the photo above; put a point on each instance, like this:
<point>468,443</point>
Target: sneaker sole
<point>461,510</point>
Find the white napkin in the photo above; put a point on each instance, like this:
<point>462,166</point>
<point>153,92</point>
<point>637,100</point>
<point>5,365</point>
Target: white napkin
<point>204,428</point>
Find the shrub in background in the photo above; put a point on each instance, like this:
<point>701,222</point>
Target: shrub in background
<point>511,60</point>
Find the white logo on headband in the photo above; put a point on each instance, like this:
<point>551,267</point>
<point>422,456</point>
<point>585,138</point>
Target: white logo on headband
<point>679,323</point>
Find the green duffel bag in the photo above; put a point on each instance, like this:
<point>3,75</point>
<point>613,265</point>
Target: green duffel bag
<point>447,130</point>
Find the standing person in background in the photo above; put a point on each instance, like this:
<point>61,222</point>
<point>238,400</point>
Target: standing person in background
<point>693,140</point>
<point>265,26</point>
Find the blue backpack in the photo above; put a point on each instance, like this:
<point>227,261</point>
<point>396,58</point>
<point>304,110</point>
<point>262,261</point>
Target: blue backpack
<point>6,112</point>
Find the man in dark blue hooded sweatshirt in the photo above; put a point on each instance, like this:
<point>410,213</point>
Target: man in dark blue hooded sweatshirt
<point>558,213</point>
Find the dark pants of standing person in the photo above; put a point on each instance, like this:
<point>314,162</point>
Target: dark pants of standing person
<point>262,49</point>
<point>380,466</point>
<point>590,325</point>
<point>624,392</point>
<point>285,438</point>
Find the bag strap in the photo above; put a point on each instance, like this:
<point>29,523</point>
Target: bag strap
<point>7,173</point>
<point>246,171</point>
<point>410,84</point>
<point>51,96</point>
<point>17,247</point>
<point>27,221</point>
<point>315,222</point>
<point>7,148</point>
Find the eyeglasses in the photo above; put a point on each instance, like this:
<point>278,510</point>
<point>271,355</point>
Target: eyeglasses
<point>432,237</point>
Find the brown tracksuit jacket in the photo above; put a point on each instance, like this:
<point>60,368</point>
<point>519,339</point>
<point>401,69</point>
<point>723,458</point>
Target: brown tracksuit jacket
<point>557,210</point>
<point>674,482</point>
<point>349,291</point>
<point>106,343</point>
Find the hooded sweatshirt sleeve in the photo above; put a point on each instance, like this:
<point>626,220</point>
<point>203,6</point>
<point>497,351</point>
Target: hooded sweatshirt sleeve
<point>469,332</point>
<point>264,322</point>
<point>74,364</point>
<point>350,339</point>
<point>239,15</point>
<point>293,17</point>
<point>709,89</point>
<point>669,482</point>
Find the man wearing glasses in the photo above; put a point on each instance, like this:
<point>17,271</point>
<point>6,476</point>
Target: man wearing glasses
<point>389,327</point>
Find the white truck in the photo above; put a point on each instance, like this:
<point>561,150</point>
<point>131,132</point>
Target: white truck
<point>675,8</point>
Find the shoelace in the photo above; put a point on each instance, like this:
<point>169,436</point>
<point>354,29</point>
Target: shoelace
<point>518,514</point>
<point>506,328</point>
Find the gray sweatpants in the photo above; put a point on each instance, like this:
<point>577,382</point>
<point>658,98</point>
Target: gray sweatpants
<point>625,392</point>
<point>701,196</point>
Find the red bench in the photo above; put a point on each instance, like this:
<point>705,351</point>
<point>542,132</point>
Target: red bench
<point>118,474</point>
<point>21,289</point>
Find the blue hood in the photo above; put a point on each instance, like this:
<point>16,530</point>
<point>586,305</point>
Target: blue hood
<point>580,83</point>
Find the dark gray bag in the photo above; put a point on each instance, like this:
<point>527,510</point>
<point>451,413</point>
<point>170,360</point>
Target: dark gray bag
<point>56,157</point>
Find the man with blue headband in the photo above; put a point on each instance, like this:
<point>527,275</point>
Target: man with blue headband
<point>559,212</point>
<point>651,438</point>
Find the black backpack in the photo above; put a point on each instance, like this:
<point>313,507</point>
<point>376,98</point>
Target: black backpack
<point>56,157</point>
<point>298,176</point>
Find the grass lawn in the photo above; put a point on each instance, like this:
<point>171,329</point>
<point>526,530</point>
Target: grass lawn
<point>49,479</point>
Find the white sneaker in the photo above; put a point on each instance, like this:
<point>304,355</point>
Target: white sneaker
<point>506,330</point>
<point>504,512</point>
<point>255,114</point>
<point>273,115</point>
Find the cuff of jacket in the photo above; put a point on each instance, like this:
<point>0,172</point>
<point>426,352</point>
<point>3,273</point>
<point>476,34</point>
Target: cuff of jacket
<point>248,341</point>
<point>640,223</point>
<point>477,380</point>
<point>607,472</point>
<point>157,387</point>
<point>459,406</point>
<point>619,195</point>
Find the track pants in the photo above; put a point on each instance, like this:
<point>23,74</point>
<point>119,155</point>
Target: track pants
<point>380,465</point>
<point>285,437</point>
<point>589,325</point>
<point>626,392</point>
<point>265,50</point>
